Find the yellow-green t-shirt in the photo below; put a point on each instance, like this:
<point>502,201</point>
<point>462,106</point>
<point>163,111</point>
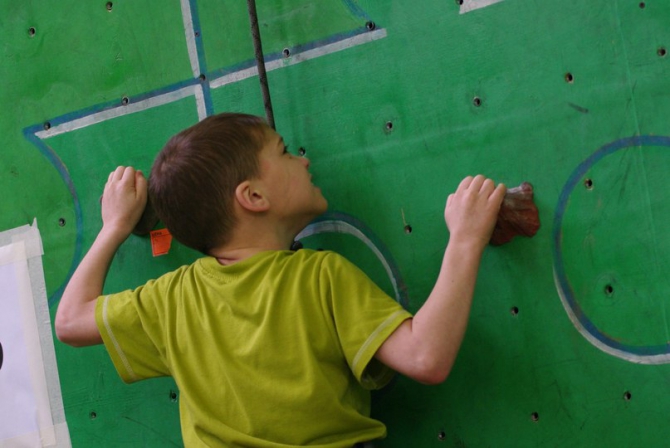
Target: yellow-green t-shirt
<point>274,351</point>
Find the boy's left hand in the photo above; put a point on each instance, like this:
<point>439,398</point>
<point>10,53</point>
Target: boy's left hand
<point>123,200</point>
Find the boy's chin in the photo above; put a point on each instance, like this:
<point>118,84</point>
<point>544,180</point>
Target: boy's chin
<point>325,205</point>
<point>317,211</point>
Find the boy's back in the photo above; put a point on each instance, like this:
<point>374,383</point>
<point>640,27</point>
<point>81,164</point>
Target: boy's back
<point>270,351</point>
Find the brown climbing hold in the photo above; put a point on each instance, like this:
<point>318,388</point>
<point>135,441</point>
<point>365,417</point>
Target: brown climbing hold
<point>147,221</point>
<point>518,215</point>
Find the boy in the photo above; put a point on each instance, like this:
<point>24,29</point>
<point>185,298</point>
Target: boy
<point>269,347</point>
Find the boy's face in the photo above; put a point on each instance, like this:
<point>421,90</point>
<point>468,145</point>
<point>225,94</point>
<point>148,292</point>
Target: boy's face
<point>290,190</point>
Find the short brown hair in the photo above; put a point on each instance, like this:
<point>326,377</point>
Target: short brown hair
<point>193,179</point>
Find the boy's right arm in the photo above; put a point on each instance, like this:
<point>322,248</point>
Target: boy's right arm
<point>123,202</point>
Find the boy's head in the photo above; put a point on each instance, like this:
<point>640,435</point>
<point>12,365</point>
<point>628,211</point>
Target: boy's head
<point>193,179</point>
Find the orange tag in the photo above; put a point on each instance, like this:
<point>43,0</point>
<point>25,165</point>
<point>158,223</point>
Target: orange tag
<point>160,241</point>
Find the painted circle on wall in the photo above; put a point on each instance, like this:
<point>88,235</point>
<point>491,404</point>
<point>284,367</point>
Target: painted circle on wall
<point>611,248</point>
<point>339,223</point>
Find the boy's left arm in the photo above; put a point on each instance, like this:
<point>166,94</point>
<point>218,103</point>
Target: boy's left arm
<point>425,347</point>
<point>123,202</point>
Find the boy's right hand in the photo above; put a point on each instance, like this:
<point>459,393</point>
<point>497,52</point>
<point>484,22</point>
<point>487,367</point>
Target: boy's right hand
<point>123,201</point>
<point>471,211</point>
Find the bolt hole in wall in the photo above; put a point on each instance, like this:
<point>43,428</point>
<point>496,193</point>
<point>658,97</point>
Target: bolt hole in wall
<point>302,151</point>
<point>662,52</point>
<point>286,52</point>
<point>514,311</point>
<point>93,415</point>
<point>535,416</point>
<point>388,126</point>
<point>642,5</point>
<point>627,396</point>
<point>588,184</point>
<point>370,26</point>
<point>61,222</point>
<point>47,126</point>
<point>32,31</point>
<point>441,435</point>
<point>173,396</point>
<point>408,229</point>
<point>476,101</point>
<point>569,78</point>
<point>109,6</point>
<point>609,290</point>
<point>125,100</point>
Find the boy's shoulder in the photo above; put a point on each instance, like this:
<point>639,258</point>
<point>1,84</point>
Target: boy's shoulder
<point>269,258</point>
<point>270,262</point>
<point>317,257</point>
<point>323,261</point>
<point>209,266</point>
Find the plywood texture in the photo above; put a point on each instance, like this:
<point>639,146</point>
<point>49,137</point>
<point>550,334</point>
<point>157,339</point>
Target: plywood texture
<point>568,338</point>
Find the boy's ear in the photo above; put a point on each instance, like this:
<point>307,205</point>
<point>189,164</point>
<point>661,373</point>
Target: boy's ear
<point>251,197</point>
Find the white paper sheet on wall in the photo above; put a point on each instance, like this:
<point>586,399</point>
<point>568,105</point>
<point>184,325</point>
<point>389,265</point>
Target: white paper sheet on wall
<point>31,407</point>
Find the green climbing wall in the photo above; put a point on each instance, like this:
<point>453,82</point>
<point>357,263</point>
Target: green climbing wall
<point>393,102</point>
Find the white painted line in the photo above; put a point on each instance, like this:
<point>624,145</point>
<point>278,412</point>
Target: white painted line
<point>235,77</point>
<point>190,37</point>
<point>627,356</point>
<point>187,16</point>
<point>200,102</point>
<point>471,5</point>
<point>300,57</point>
<point>336,46</point>
<point>119,111</point>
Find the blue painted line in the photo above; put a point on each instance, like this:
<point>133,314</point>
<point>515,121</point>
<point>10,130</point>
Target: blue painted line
<point>163,90</point>
<point>354,9</point>
<point>277,55</point>
<point>557,236</point>
<point>52,157</point>
<point>207,95</point>
<point>319,43</point>
<point>218,73</point>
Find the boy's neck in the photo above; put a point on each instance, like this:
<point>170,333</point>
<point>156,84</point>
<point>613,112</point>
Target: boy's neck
<point>259,231</point>
<point>249,240</point>
<point>229,257</point>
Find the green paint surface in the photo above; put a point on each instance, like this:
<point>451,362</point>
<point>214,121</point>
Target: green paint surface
<point>531,124</point>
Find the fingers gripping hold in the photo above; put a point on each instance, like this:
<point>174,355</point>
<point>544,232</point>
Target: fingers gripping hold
<point>471,211</point>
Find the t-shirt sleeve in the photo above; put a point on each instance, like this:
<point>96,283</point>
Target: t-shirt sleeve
<point>129,324</point>
<point>365,316</point>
